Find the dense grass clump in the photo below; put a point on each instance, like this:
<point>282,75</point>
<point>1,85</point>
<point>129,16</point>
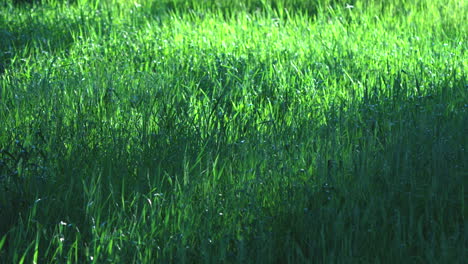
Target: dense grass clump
<point>194,131</point>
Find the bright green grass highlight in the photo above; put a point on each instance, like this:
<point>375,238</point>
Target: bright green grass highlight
<point>233,131</point>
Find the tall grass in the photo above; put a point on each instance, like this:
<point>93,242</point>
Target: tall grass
<point>233,131</point>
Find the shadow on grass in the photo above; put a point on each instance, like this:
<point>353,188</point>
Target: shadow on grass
<point>228,8</point>
<point>30,30</point>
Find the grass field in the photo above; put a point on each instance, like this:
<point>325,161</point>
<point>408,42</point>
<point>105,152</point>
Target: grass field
<point>254,131</point>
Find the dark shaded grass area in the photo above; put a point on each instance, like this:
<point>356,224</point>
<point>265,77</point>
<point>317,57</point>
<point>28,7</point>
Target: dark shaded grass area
<point>418,185</point>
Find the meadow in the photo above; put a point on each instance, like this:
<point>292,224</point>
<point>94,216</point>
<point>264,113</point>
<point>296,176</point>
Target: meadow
<point>253,131</point>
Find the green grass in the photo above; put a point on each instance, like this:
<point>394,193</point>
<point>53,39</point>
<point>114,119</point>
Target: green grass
<point>233,131</point>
